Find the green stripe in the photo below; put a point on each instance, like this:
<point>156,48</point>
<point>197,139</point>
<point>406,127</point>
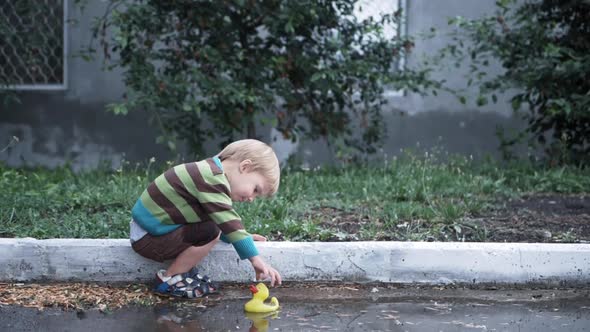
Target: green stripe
<point>223,216</point>
<point>237,236</point>
<point>214,198</point>
<point>155,209</point>
<point>207,174</point>
<point>188,183</point>
<point>181,204</point>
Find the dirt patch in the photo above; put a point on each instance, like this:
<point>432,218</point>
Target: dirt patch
<point>108,297</point>
<point>345,221</point>
<point>541,218</point>
<point>550,218</point>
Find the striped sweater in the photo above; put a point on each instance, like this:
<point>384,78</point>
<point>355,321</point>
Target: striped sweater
<point>190,193</point>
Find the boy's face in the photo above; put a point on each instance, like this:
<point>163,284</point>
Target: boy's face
<point>246,185</point>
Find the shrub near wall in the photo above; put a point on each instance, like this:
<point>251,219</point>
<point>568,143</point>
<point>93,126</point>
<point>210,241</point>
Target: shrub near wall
<point>544,48</point>
<point>308,68</point>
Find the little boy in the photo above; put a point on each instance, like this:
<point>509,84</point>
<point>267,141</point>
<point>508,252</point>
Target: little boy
<point>185,211</point>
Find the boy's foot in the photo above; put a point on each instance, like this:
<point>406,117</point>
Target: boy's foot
<point>181,286</point>
<point>194,274</point>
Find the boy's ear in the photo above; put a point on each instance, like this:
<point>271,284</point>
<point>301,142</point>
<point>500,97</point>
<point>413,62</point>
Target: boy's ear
<point>245,165</point>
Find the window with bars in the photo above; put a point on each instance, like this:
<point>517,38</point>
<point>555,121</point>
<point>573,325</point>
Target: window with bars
<point>33,44</point>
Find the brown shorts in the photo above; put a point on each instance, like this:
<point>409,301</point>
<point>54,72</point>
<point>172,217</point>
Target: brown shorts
<point>169,246</point>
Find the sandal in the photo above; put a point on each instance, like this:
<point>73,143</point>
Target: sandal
<point>181,287</point>
<point>194,274</point>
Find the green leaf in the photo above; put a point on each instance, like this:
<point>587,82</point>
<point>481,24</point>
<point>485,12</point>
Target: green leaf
<point>317,76</point>
<point>171,145</point>
<point>516,104</point>
<point>481,100</point>
<point>119,109</point>
<point>289,27</point>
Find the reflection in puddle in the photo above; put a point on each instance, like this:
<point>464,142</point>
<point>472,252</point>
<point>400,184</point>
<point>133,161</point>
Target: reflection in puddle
<point>367,316</point>
<point>261,321</point>
<point>346,315</point>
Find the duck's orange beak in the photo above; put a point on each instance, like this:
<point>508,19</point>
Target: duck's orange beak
<point>253,289</point>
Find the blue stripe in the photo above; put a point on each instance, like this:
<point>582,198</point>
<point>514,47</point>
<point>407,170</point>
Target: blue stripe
<point>224,238</point>
<point>218,162</point>
<point>246,248</point>
<point>147,221</point>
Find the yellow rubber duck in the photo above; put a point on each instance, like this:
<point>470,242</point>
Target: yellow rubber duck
<point>259,295</point>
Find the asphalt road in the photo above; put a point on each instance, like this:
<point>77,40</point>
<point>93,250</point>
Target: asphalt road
<point>335,308</point>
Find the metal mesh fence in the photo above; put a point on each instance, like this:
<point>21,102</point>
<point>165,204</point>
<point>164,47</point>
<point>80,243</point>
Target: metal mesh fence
<point>32,44</point>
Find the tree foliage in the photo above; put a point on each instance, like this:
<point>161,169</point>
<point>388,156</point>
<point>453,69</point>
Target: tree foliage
<point>225,68</point>
<point>544,49</point>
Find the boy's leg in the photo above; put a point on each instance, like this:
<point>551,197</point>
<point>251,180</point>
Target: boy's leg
<point>186,246</point>
<point>190,257</point>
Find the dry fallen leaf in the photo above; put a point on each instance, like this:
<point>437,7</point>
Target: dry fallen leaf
<point>76,295</point>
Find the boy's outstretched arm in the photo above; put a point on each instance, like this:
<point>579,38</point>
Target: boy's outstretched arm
<point>264,271</point>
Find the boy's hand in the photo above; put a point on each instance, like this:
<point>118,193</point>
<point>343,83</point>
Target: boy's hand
<point>264,271</point>
<point>257,237</point>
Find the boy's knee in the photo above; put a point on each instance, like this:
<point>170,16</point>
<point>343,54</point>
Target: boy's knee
<point>208,246</point>
<point>204,234</point>
<point>216,238</point>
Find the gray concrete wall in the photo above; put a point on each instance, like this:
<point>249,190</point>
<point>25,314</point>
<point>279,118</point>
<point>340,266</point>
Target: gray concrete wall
<point>71,125</point>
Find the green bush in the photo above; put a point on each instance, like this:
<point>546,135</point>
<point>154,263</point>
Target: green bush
<point>308,68</point>
<point>544,49</point>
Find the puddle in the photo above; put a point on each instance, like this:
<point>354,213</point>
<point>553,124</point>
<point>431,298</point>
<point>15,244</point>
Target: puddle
<point>335,315</point>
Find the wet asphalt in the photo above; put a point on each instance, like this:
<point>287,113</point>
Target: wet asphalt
<point>439,313</point>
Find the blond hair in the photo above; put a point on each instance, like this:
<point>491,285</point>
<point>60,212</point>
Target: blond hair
<point>264,160</point>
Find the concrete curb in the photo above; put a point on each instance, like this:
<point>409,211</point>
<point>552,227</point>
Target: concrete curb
<point>28,259</point>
